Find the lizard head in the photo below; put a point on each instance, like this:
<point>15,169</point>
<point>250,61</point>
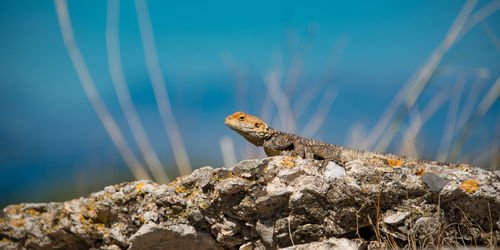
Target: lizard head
<point>254,129</point>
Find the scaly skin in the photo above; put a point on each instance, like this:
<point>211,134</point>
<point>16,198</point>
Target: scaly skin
<point>276,142</point>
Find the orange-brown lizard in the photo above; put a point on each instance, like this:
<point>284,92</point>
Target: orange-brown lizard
<point>276,142</point>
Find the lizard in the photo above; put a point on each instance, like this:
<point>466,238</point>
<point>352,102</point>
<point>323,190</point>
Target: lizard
<point>276,142</point>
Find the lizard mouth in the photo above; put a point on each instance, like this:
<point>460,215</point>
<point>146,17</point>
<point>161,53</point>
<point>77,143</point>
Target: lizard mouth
<point>228,123</point>
<point>232,125</point>
<point>235,125</point>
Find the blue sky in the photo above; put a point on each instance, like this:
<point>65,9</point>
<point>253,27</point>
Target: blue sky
<point>50,138</point>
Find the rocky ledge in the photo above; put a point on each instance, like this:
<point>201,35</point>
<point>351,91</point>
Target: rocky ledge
<point>272,203</point>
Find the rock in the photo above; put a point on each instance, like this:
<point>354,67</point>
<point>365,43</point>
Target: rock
<point>231,186</point>
<point>427,227</point>
<point>333,171</point>
<point>265,229</point>
<point>277,202</point>
<point>173,237</point>
<point>433,182</point>
<point>331,243</point>
<point>396,218</point>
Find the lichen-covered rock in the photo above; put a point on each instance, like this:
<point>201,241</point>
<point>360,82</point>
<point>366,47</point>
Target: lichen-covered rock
<point>276,202</point>
<point>331,243</point>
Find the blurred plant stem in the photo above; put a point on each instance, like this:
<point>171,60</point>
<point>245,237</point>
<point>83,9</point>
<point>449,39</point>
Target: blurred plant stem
<point>451,118</point>
<point>281,100</point>
<point>93,95</point>
<point>480,111</point>
<point>227,149</point>
<point>160,89</point>
<point>409,145</point>
<point>123,93</point>
<point>408,95</point>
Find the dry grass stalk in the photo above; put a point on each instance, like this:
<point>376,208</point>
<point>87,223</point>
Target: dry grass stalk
<point>494,39</point>
<point>407,96</point>
<point>473,224</point>
<point>495,149</point>
<point>313,90</point>
<point>472,98</point>
<point>297,65</point>
<point>320,115</point>
<point>377,206</point>
<point>93,95</point>
<point>451,118</point>
<point>282,102</point>
<point>485,104</point>
<point>409,146</point>
<point>290,229</point>
<point>160,89</point>
<point>228,154</point>
<point>239,78</point>
<point>123,93</point>
<point>480,15</point>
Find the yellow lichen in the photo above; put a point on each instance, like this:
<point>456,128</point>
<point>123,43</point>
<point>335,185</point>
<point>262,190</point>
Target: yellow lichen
<point>394,162</point>
<point>179,189</point>
<point>139,187</point>
<point>82,218</point>
<point>420,171</point>
<point>90,211</point>
<point>100,226</point>
<point>17,222</point>
<point>174,182</point>
<point>231,175</point>
<point>288,162</point>
<point>32,212</point>
<point>470,186</point>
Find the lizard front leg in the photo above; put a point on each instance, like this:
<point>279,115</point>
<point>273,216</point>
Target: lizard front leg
<point>281,145</point>
<point>308,153</point>
<point>273,149</point>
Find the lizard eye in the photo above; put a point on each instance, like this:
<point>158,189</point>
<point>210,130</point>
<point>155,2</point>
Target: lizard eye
<point>257,125</point>
<point>242,118</point>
